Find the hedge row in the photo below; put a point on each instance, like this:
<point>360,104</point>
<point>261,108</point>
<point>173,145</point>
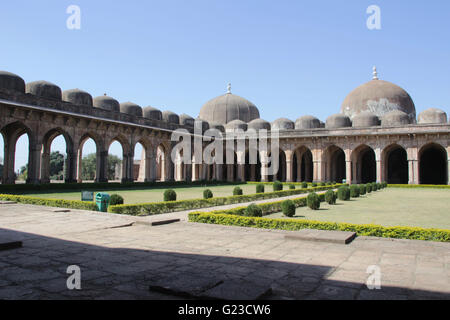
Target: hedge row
<point>91,206</point>
<point>295,225</point>
<point>416,186</point>
<point>166,207</point>
<point>36,188</point>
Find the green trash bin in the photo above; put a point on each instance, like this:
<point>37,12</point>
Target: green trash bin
<point>102,201</point>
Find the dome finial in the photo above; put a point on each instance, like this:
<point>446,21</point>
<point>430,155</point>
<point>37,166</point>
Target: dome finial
<point>375,73</point>
<point>229,88</point>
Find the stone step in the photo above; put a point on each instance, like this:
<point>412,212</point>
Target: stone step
<point>339,237</point>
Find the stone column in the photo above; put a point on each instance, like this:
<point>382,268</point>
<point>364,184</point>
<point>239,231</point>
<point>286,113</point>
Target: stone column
<point>34,163</point>
<point>70,167</point>
<point>102,166</point>
<point>289,172</point>
<point>379,166</point>
<point>150,167</point>
<point>230,172</point>
<point>9,159</point>
<point>413,166</point>
<point>318,170</point>
<point>348,167</point>
<point>45,163</point>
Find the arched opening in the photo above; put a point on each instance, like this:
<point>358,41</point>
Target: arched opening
<point>252,171</point>
<point>180,167</point>
<point>161,172</point>
<point>396,165</point>
<point>57,158</point>
<point>335,166</point>
<point>116,166</point>
<point>302,165</point>
<point>17,157</point>
<point>364,165</point>
<point>140,163</point>
<point>433,165</point>
<point>87,160</point>
<point>281,173</point>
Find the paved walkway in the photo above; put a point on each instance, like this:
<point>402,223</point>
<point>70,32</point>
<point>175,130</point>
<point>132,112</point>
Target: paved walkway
<point>120,262</point>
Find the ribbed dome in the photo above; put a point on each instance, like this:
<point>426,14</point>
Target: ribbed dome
<point>259,124</point>
<point>77,96</point>
<point>227,108</point>
<point>432,115</point>
<point>44,89</point>
<point>395,118</point>
<point>131,108</point>
<point>171,117</point>
<point>107,103</point>
<point>152,113</point>
<point>283,124</point>
<point>366,119</point>
<point>201,124</point>
<point>11,81</point>
<point>237,125</point>
<point>307,122</point>
<point>217,126</point>
<point>337,121</point>
<point>186,120</point>
<point>379,97</point>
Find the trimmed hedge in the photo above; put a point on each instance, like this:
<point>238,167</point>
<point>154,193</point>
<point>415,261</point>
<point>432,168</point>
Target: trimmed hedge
<point>238,192</point>
<point>115,200</point>
<point>277,186</point>
<point>354,191</point>
<point>170,195</point>
<point>253,211</point>
<point>330,197</point>
<point>417,186</point>
<point>313,201</point>
<point>68,204</point>
<point>260,188</point>
<point>181,205</point>
<point>207,194</point>
<point>295,225</point>
<point>288,208</point>
<point>344,193</point>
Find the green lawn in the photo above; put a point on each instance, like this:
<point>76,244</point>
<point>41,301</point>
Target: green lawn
<point>156,194</point>
<point>426,208</point>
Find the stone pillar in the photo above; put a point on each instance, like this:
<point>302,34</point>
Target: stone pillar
<point>34,163</point>
<point>150,167</point>
<point>318,170</point>
<point>9,159</point>
<point>45,164</point>
<point>70,167</point>
<point>348,167</point>
<point>264,166</point>
<point>379,166</point>
<point>219,172</point>
<point>102,166</point>
<point>230,172</point>
<point>289,171</point>
<point>413,166</point>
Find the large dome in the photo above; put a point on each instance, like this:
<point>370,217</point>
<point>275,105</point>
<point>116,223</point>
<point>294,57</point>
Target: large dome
<point>379,97</point>
<point>227,108</point>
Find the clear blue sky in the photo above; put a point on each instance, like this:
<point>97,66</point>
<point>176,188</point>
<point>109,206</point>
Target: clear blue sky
<point>290,58</point>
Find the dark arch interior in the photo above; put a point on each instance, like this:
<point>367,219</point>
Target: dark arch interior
<point>368,166</point>
<point>338,169</point>
<point>306,167</point>
<point>397,166</point>
<point>433,166</point>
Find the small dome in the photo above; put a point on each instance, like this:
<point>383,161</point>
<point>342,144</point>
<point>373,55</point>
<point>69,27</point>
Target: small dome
<point>152,113</point>
<point>283,124</point>
<point>77,96</point>
<point>227,108</point>
<point>171,117</point>
<point>186,120</point>
<point>259,124</point>
<point>366,119</point>
<point>307,122</point>
<point>395,118</point>
<point>11,81</point>
<point>237,125</point>
<point>432,115</point>
<point>217,126</point>
<point>201,124</point>
<point>107,103</point>
<point>131,108</point>
<point>44,89</point>
<point>338,121</point>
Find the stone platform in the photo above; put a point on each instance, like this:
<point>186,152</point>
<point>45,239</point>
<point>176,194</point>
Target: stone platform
<point>339,237</point>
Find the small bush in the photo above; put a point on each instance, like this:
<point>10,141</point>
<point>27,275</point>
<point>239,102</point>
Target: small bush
<point>344,193</point>
<point>116,200</point>
<point>238,192</point>
<point>379,187</point>
<point>313,201</point>
<point>330,197</point>
<point>304,185</point>
<point>292,187</point>
<point>288,208</point>
<point>374,187</point>
<point>363,190</point>
<point>277,186</point>
<point>354,191</point>
<point>207,194</point>
<point>260,188</point>
<point>170,195</point>
<point>323,184</point>
<point>253,211</point>
<point>314,185</point>
<point>369,188</point>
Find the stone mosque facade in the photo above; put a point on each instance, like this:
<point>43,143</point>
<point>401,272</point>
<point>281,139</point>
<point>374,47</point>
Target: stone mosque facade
<point>377,136</point>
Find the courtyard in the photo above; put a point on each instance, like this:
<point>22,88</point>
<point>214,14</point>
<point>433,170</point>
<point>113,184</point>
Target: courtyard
<point>121,261</point>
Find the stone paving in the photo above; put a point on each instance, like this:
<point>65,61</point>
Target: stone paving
<point>119,261</point>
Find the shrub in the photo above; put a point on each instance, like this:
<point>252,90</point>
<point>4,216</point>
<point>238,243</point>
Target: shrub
<point>369,188</point>
<point>313,201</point>
<point>170,195</point>
<point>115,200</point>
<point>207,194</point>
<point>288,208</point>
<point>277,186</point>
<point>363,190</point>
<point>379,187</point>
<point>323,184</point>
<point>354,191</point>
<point>344,193</point>
<point>314,184</point>
<point>238,192</point>
<point>253,211</point>
<point>330,197</point>
<point>374,187</point>
<point>260,188</point>
<point>292,187</point>
<point>304,185</point>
